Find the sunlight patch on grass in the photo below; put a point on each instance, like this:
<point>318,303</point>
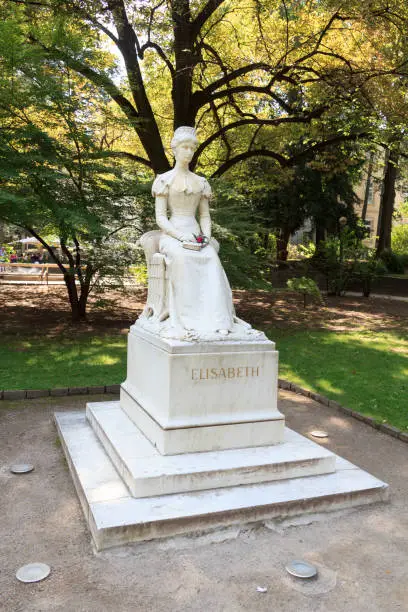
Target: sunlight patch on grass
<point>63,362</point>
<point>357,369</point>
<point>102,360</point>
<point>328,386</point>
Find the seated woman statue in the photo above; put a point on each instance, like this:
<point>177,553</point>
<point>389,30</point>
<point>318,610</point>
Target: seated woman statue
<point>199,295</point>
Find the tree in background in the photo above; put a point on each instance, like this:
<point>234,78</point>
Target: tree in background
<point>57,178</point>
<point>236,70</point>
<point>272,80</point>
<point>320,189</point>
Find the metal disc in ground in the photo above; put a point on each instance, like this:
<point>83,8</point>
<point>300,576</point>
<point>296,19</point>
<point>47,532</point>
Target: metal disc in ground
<point>33,572</point>
<point>319,433</point>
<point>301,569</point>
<point>21,468</point>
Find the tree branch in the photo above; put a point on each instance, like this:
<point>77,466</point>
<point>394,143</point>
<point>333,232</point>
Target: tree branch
<point>287,161</point>
<point>242,156</point>
<point>256,121</point>
<point>122,155</point>
<point>160,52</point>
<point>235,74</point>
<point>46,246</point>
<point>203,16</point>
<point>101,80</point>
<point>319,146</point>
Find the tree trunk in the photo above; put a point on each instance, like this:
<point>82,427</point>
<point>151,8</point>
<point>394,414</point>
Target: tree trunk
<point>85,290</point>
<point>282,241</point>
<point>387,202</point>
<point>320,233</point>
<point>182,90</point>
<point>146,127</point>
<point>368,185</point>
<point>78,307</point>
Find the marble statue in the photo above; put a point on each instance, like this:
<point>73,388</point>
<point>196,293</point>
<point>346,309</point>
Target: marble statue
<point>189,296</point>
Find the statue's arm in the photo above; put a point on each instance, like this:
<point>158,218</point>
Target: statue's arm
<point>204,217</point>
<point>162,219</point>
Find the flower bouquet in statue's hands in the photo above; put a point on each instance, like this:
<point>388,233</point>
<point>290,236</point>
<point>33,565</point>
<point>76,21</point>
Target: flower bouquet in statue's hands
<point>200,242</point>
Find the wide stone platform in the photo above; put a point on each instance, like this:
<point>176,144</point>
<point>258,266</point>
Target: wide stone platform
<point>115,516</point>
<point>147,472</point>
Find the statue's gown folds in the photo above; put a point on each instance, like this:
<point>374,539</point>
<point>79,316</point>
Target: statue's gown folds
<point>200,297</point>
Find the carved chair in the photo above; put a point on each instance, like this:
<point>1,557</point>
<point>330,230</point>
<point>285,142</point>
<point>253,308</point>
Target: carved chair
<point>157,277</point>
<point>157,303</point>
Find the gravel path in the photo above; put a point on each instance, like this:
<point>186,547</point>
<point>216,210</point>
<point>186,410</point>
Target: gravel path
<point>361,555</point>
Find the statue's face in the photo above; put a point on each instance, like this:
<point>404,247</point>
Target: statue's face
<point>185,150</point>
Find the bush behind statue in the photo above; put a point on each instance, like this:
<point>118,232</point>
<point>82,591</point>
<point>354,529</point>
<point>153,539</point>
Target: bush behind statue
<point>306,287</point>
<point>344,259</point>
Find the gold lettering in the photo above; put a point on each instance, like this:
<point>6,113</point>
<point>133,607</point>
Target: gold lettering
<point>214,373</point>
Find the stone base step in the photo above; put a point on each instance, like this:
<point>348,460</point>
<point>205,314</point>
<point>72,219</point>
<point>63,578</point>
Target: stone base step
<point>148,473</point>
<point>115,517</point>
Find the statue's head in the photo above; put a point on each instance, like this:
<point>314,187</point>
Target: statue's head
<point>184,135</point>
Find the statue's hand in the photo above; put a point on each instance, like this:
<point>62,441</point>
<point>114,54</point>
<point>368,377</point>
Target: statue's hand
<point>187,238</point>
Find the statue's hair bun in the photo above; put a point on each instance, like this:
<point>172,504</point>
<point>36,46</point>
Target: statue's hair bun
<point>183,133</point>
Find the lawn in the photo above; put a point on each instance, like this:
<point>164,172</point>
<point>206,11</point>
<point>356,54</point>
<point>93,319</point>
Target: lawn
<point>352,350</point>
<point>47,363</point>
<point>366,371</point>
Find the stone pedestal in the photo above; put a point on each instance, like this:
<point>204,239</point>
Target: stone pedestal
<point>187,397</point>
<point>197,442</point>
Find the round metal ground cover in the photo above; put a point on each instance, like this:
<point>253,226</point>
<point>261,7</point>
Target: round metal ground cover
<point>319,433</point>
<point>33,572</point>
<point>301,569</point>
<point>21,468</point>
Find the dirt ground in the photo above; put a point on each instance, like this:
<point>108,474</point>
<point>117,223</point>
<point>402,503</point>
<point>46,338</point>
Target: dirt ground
<point>34,309</point>
<point>361,555</point>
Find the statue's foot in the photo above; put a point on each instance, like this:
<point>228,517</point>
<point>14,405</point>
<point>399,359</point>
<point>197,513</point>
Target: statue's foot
<point>223,332</point>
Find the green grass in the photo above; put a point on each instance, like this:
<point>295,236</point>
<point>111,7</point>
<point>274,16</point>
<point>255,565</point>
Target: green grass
<point>365,371</point>
<point>47,363</point>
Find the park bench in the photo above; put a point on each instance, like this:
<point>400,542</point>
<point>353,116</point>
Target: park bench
<point>22,272</point>
<point>30,272</point>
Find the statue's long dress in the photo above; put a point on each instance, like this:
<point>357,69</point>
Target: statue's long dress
<point>200,297</point>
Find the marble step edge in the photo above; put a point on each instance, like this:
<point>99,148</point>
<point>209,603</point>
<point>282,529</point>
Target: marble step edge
<point>200,471</point>
<point>111,535</point>
<point>116,518</point>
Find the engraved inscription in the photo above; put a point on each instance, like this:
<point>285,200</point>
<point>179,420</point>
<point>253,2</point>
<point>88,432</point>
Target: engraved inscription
<point>224,373</point>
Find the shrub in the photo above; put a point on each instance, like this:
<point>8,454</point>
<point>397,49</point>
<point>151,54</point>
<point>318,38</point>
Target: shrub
<point>399,239</point>
<point>301,251</point>
<point>394,263</point>
<point>367,269</point>
<point>306,287</point>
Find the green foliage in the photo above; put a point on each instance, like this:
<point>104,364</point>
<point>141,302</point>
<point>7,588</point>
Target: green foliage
<point>5,252</point>
<point>306,287</point>
<point>139,273</point>
<point>399,239</point>
<point>44,363</point>
<point>394,262</point>
<point>238,227</point>
<point>338,258</point>
<point>356,369</point>
<point>60,176</point>
<point>301,251</point>
<point>366,269</point>
<point>320,187</point>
